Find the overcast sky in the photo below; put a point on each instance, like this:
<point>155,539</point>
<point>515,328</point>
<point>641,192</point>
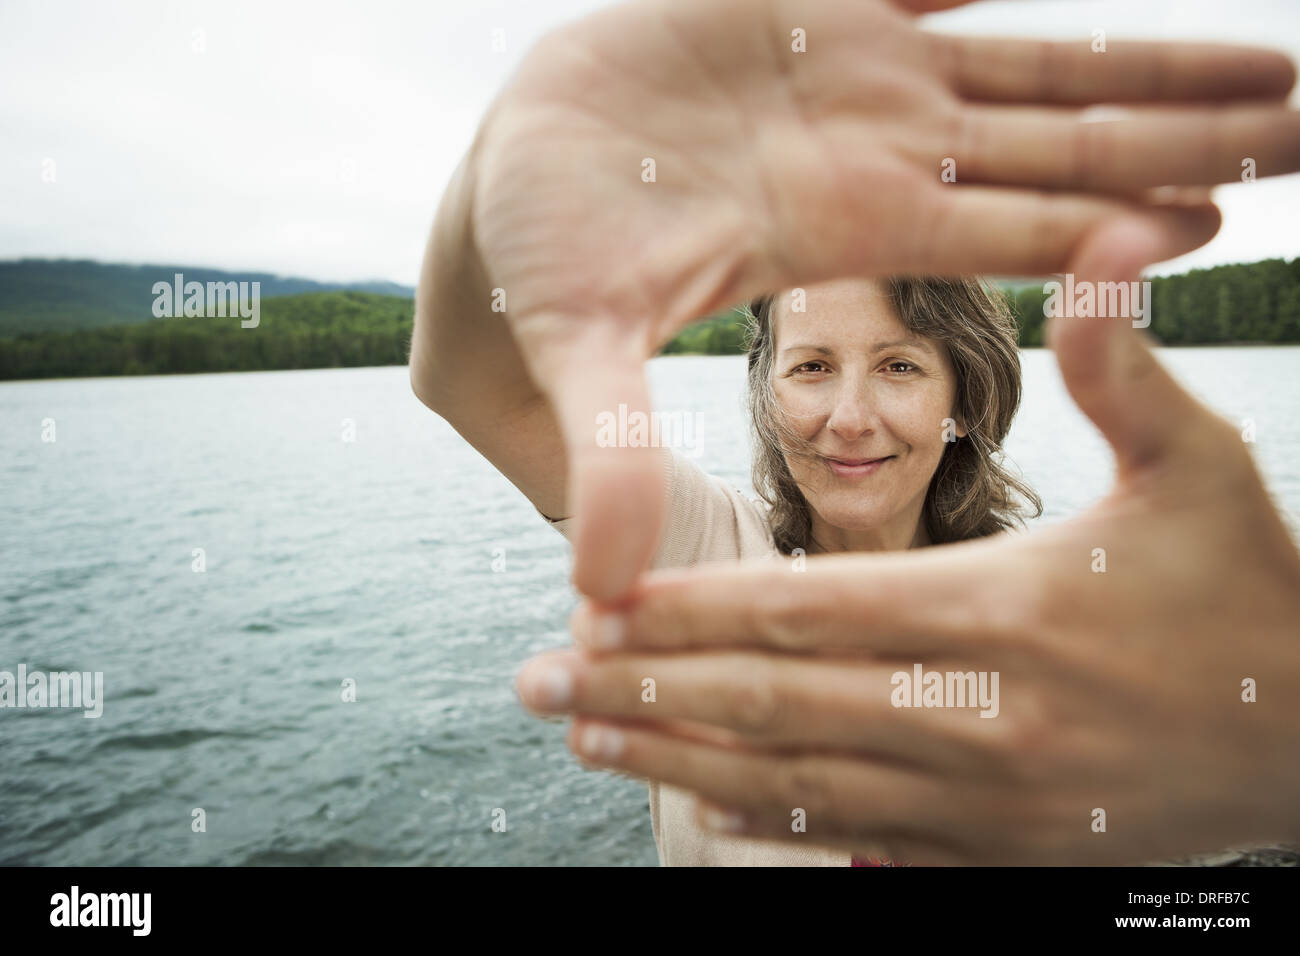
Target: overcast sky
<point>314,139</point>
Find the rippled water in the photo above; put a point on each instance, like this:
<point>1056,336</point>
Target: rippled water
<point>370,560</point>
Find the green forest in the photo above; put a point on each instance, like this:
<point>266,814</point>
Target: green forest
<point>1254,303</point>
<point>1251,303</point>
<point>317,330</point>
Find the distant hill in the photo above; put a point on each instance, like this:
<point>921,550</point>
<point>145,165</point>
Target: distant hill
<point>61,295</point>
<point>314,330</point>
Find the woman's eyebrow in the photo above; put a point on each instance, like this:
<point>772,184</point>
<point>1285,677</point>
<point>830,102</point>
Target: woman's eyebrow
<point>913,341</point>
<point>909,342</point>
<point>806,347</point>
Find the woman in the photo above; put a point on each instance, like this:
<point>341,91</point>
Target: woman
<point>879,410</point>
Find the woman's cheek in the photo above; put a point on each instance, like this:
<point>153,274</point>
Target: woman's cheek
<point>802,410</point>
<point>918,420</point>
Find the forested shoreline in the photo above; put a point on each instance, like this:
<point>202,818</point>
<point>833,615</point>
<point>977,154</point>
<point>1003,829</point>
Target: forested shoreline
<point>316,330</point>
<point>1255,303</point>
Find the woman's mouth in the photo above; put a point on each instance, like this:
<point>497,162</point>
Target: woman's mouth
<point>856,467</point>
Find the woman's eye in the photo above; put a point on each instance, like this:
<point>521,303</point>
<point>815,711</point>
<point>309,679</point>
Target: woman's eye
<point>811,367</point>
<point>901,367</point>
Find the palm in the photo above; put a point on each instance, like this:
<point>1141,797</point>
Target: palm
<point>574,232</point>
<point>1175,669</point>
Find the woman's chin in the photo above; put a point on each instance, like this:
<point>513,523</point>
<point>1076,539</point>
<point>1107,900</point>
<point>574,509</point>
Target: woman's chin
<point>852,519</point>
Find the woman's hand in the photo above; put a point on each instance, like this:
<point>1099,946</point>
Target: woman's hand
<point>663,159</point>
<point>1146,711</point>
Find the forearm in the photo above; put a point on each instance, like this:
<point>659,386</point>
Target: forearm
<point>464,360</point>
<point>465,364</point>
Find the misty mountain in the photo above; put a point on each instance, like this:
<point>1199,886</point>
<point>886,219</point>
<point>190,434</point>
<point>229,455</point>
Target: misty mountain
<point>62,295</point>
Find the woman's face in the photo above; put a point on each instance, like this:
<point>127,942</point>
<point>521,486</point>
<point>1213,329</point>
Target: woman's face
<point>871,399</point>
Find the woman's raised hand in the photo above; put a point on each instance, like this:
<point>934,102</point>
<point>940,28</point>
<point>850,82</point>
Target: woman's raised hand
<point>662,159</point>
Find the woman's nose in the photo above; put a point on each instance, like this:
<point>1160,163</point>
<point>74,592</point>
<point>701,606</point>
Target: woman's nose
<point>854,412</point>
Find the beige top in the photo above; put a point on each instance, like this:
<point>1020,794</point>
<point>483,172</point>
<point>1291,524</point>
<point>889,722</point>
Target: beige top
<point>708,520</point>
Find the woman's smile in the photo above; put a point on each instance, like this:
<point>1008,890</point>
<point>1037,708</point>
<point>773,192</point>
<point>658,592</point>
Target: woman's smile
<point>857,467</point>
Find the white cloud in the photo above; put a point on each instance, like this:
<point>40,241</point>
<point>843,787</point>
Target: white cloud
<point>315,139</point>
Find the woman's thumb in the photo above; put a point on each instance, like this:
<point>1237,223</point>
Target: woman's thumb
<point>596,383</point>
<point>1108,365</point>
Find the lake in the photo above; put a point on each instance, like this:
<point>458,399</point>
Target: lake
<point>370,560</point>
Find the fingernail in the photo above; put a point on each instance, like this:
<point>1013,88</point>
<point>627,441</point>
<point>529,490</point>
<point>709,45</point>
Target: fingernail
<point>729,821</point>
<point>601,743</point>
<point>551,688</point>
